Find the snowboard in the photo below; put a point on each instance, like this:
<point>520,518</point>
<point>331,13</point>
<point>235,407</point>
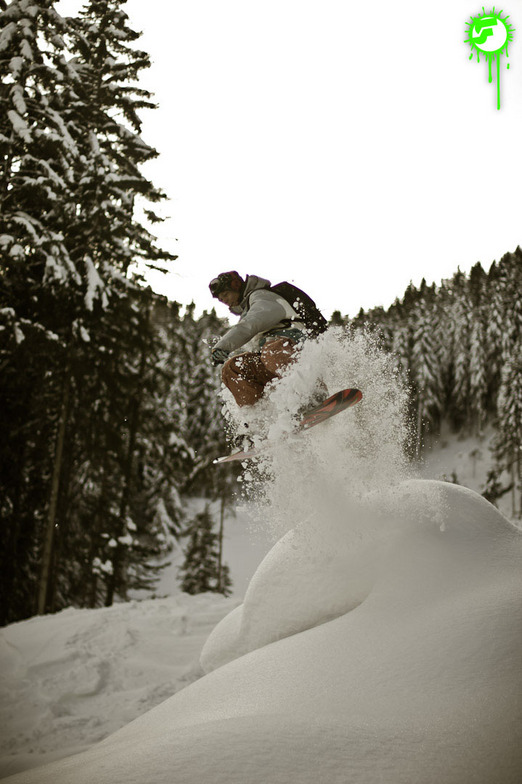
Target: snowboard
<point>330,407</point>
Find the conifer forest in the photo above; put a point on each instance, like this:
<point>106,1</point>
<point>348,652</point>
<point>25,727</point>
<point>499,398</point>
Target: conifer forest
<point>109,409</point>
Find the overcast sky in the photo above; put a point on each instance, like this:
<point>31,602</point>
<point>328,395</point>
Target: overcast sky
<point>350,147</point>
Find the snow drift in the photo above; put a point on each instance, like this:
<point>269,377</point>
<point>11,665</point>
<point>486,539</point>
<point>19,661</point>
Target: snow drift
<point>378,641</point>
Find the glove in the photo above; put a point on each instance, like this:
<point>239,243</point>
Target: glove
<point>218,356</point>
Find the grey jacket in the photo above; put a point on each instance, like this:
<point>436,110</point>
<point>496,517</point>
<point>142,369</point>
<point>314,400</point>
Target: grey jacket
<point>261,311</point>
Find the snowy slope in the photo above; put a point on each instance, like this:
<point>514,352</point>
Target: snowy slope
<point>420,682</point>
<point>466,460</point>
<point>379,640</point>
<point>69,680</point>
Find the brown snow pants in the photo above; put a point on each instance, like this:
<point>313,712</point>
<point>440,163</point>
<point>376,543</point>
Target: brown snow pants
<point>246,375</point>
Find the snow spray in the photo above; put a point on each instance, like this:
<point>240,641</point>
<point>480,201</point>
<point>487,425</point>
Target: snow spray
<point>309,477</point>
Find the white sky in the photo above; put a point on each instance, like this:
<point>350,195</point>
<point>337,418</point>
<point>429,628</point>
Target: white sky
<point>347,146</point>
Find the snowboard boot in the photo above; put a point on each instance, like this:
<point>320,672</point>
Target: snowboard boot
<point>243,439</point>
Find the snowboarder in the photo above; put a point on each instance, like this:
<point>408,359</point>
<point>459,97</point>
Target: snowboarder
<point>276,329</point>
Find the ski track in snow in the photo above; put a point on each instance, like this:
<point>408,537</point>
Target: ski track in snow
<point>379,639</point>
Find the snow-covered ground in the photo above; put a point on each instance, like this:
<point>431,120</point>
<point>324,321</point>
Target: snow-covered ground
<point>70,679</point>
<point>379,639</point>
<point>464,460</point>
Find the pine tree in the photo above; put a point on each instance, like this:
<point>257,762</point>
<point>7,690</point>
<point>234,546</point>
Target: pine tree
<point>443,337</point>
<point>133,499</point>
<point>477,369</point>
<point>37,157</point>
<point>69,340</point>
<point>200,570</point>
<point>477,285</point>
<point>337,320</point>
<point>107,124</point>
<point>164,458</point>
<point>204,420</point>
<point>461,329</point>
<point>401,348</point>
<point>493,337</point>
<point>426,372</point>
<point>510,275</point>
<point>508,447</point>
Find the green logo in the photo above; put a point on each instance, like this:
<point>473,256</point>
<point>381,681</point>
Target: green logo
<point>489,33</point>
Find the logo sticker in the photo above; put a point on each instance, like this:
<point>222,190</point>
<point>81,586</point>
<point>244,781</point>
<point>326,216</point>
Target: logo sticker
<point>489,34</point>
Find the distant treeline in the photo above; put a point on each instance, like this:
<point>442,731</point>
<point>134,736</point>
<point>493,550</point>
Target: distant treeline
<point>459,347</point>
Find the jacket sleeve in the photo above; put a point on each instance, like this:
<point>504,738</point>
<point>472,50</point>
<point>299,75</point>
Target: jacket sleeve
<point>265,312</point>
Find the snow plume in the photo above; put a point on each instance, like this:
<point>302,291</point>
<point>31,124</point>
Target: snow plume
<point>311,476</point>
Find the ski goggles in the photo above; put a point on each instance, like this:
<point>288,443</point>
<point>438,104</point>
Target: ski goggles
<point>218,286</point>
<point>226,281</point>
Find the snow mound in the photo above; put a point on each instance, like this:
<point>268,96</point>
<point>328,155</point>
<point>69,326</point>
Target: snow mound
<point>417,678</point>
<point>335,567</point>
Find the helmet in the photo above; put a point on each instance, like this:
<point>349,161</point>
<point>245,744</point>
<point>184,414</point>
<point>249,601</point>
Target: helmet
<point>226,281</point>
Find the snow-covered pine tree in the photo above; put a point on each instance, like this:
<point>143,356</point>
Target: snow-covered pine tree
<point>200,570</point>
<point>426,372</point>
<point>507,450</point>
<point>477,285</point>
<point>403,313</point>
<point>38,155</point>
<point>107,126</point>
<point>494,312</point>
<point>508,446</point>
<point>133,487</point>
<point>460,325</point>
<point>204,421</point>
<point>164,458</point>
<point>443,336</point>
<point>477,368</point>
<point>68,232</point>
<point>510,274</point>
<point>401,348</point>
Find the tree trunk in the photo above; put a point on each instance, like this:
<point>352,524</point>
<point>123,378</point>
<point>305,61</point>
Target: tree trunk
<point>43,588</point>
